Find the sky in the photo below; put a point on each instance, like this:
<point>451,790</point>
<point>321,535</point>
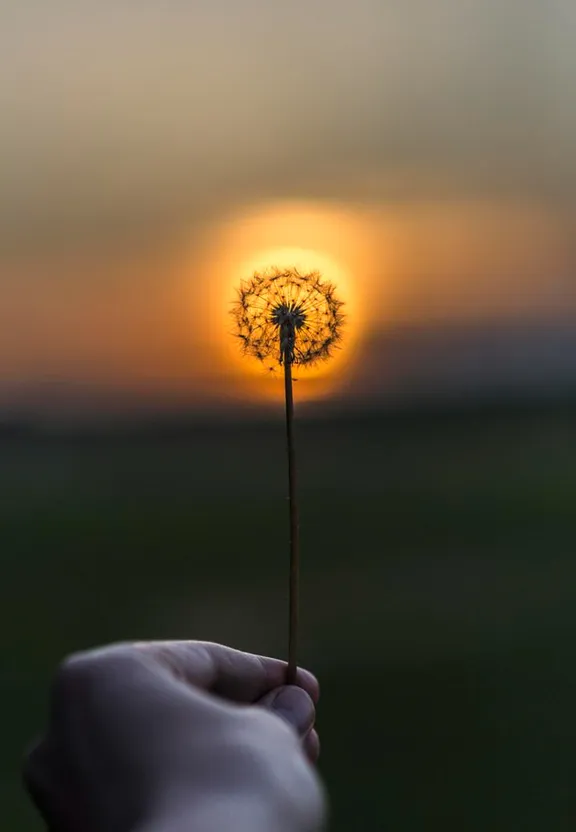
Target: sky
<point>421,154</point>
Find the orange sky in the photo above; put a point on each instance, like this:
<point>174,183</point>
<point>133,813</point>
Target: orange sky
<point>153,158</point>
<point>154,322</point>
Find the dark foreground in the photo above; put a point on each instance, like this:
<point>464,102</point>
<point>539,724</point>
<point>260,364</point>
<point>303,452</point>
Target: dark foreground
<point>439,594</point>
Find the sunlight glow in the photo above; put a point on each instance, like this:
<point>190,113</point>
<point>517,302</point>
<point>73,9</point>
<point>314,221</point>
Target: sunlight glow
<point>310,238</point>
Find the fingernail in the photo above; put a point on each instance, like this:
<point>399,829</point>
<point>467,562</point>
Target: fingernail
<point>295,706</point>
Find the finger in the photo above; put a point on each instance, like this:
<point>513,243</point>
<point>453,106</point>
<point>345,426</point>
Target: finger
<point>312,745</point>
<point>241,677</point>
<point>293,705</point>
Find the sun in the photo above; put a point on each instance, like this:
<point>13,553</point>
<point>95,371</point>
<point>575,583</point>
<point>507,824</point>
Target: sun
<point>285,315</point>
<point>312,238</point>
<point>304,263</point>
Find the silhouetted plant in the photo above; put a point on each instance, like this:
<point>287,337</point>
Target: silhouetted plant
<point>287,318</point>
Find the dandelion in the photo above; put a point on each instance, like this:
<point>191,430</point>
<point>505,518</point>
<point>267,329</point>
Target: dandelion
<point>287,318</point>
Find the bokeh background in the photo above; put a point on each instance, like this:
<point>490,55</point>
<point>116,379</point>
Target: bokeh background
<point>421,155</point>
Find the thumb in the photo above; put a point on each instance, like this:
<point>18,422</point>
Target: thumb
<point>292,704</point>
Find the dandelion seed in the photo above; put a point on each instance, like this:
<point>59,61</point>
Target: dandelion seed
<point>282,314</point>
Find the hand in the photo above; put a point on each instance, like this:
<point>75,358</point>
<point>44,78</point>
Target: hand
<point>177,736</point>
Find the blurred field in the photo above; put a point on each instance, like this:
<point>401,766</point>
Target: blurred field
<point>439,593</point>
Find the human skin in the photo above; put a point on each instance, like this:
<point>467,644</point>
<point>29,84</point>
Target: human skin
<point>177,737</point>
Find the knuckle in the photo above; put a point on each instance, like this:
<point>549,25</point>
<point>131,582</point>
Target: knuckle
<point>80,671</point>
<point>73,674</point>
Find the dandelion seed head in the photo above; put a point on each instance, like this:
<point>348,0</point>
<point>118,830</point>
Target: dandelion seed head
<point>287,315</point>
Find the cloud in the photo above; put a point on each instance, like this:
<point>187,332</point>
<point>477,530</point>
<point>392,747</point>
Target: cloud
<point>120,114</point>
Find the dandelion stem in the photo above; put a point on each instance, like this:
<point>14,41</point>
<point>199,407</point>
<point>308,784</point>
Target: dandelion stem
<point>294,529</point>
<point>288,318</point>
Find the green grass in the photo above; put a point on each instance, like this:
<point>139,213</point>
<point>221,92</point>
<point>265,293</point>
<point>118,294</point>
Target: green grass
<point>439,595</point>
